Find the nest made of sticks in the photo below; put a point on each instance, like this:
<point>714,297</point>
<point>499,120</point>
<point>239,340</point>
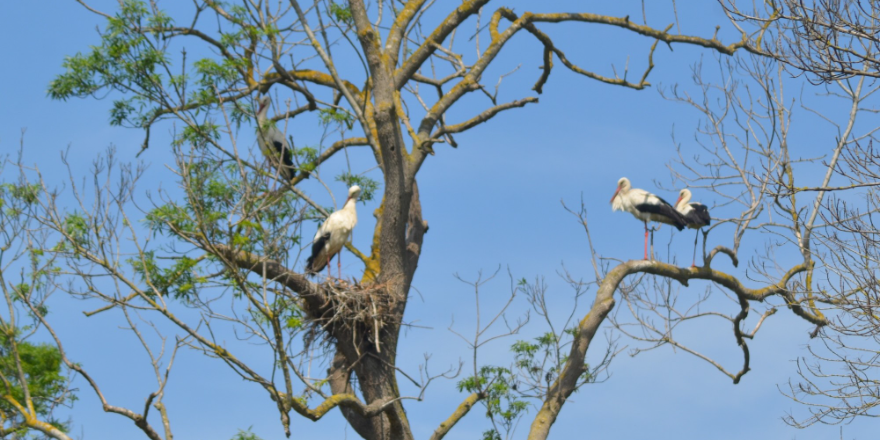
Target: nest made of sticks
<point>355,308</point>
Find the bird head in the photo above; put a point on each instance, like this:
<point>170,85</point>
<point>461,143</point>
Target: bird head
<point>622,185</point>
<point>683,195</point>
<point>354,192</point>
<point>263,102</point>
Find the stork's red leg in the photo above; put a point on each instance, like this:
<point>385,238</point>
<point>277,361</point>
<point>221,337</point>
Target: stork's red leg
<point>328,266</point>
<point>646,240</point>
<point>694,262</point>
<point>339,264</point>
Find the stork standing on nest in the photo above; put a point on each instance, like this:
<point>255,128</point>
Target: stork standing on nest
<point>333,234</point>
<point>272,142</point>
<point>696,215</point>
<point>645,207</point>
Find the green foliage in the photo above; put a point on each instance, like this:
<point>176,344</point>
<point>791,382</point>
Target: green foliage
<point>16,198</point>
<point>213,73</point>
<point>159,21</point>
<point>230,39</point>
<point>121,111</point>
<point>501,400</point>
<point>24,193</point>
<point>214,194</point>
<point>246,435</point>
<point>179,280</point>
<point>538,360</point>
<point>332,115</point>
<point>215,212</point>
<point>128,60</point>
<point>133,61</point>
<point>77,229</point>
<point>43,371</point>
<point>240,112</point>
<point>368,185</point>
<point>292,316</point>
<point>168,217</point>
<point>341,13</point>
<point>197,135</point>
<point>491,434</point>
<point>238,13</point>
<point>308,158</point>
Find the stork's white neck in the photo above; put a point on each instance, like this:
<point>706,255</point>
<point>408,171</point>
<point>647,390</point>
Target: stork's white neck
<point>683,200</point>
<point>620,202</point>
<point>350,204</point>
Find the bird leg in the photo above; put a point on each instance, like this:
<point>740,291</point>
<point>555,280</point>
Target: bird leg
<point>646,240</point>
<point>339,264</point>
<point>329,258</point>
<point>694,262</point>
<point>274,181</point>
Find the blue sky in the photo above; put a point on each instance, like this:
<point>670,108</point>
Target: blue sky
<point>493,201</point>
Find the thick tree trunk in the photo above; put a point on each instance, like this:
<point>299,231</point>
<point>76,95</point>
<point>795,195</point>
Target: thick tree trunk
<point>399,249</point>
<point>375,370</point>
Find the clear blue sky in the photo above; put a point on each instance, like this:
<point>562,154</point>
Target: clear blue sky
<point>492,202</point>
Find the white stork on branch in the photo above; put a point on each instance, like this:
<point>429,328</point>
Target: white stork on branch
<point>333,234</point>
<point>272,142</point>
<point>645,207</point>
<point>696,215</point>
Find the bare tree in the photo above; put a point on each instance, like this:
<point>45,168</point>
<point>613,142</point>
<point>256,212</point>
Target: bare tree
<point>32,270</point>
<point>839,381</point>
<point>826,39</point>
<point>747,161</point>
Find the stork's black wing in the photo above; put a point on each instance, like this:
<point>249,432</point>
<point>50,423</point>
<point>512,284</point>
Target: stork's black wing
<point>313,263</point>
<point>699,215</point>
<point>663,212</point>
<point>287,170</point>
<point>285,152</point>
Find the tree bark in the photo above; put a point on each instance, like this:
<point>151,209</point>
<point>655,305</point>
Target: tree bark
<point>375,370</point>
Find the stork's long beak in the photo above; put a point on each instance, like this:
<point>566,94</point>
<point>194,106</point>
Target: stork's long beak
<point>676,202</point>
<point>615,195</point>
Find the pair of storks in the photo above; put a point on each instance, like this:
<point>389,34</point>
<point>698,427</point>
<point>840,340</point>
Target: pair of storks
<point>648,207</point>
<point>334,232</point>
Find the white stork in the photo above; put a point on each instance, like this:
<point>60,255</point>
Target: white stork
<point>272,142</point>
<point>333,234</point>
<point>696,215</point>
<point>645,207</point>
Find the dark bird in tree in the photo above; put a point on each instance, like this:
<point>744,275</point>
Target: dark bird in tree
<point>332,236</point>
<point>272,142</point>
<point>645,207</point>
<point>696,215</point>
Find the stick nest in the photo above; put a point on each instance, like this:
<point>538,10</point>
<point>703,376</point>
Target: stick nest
<point>356,308</point>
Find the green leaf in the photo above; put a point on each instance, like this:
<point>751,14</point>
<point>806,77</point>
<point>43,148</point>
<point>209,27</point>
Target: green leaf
<point>341,13</point>
<point>368,185</point>
<point>246,435</point>
<point>46,381</point>
<point>332,115</point>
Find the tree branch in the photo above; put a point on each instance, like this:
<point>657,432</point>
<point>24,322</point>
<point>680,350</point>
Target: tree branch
<point>459,413</point>
<point>313,295</point>
<point>484,116</point>
<point>395,35</point>
<point>449,24</point>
